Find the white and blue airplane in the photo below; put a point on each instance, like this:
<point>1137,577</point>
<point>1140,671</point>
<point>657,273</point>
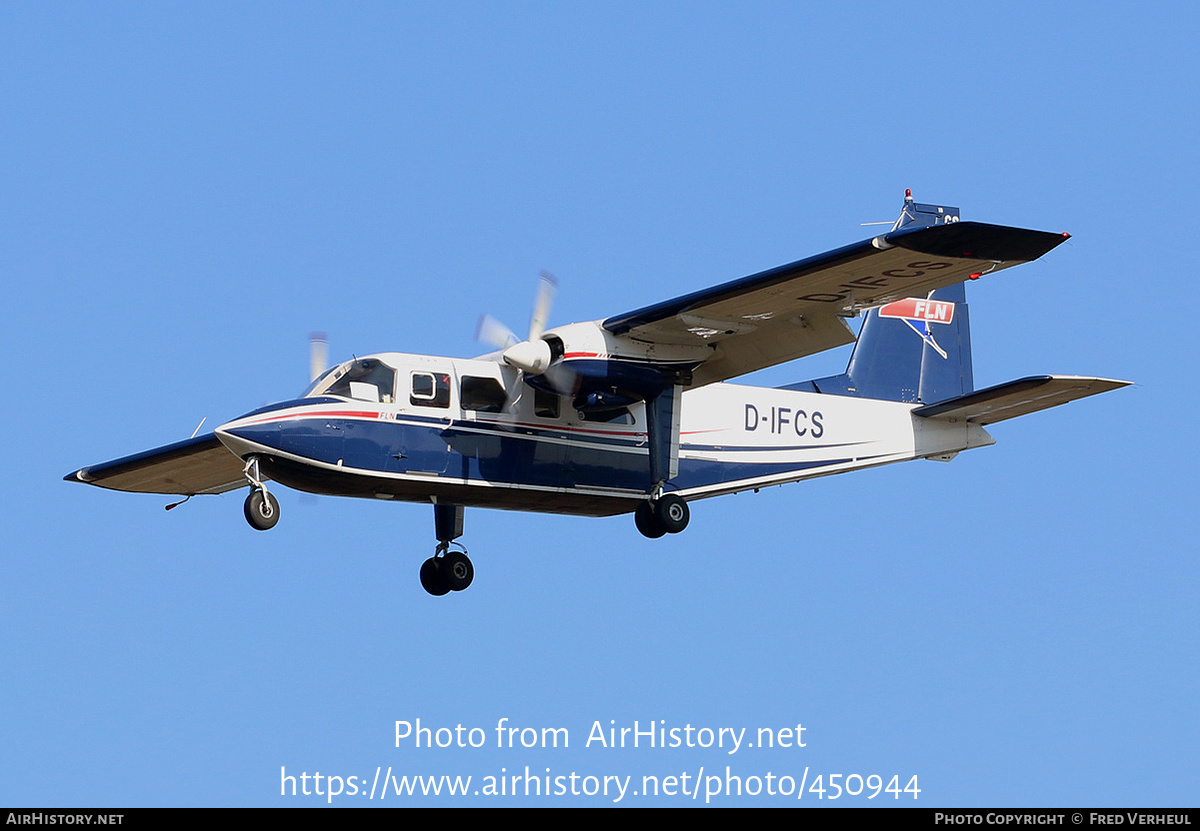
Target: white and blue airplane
<point>631,414</point>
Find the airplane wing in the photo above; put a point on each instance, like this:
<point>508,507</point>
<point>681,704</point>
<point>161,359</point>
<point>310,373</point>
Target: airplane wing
<point>198,465</point>
<point>1017,398</point>
<point>798,309</point>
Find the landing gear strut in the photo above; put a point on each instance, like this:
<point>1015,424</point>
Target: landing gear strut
<point>668,514</point>
<point>447,570</point>
<point>262,509</point>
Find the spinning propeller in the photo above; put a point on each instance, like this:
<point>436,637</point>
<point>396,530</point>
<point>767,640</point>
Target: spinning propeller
<point>318,355</point>
<point>520,354</point>
<point>533,355</point>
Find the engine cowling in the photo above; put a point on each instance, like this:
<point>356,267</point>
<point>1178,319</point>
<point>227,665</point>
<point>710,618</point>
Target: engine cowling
<point>599,370</point>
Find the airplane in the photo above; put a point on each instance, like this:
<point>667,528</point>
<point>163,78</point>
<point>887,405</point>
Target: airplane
<point>632,414</point>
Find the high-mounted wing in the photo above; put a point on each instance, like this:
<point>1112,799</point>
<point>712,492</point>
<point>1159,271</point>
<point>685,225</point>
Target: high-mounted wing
<point>198,465</point>
<point>798,309</point>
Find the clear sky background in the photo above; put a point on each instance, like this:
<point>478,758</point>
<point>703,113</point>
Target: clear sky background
<point>189,190</point>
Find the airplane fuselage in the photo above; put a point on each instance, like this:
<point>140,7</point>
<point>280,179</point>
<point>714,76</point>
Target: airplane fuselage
<point>442,429</point>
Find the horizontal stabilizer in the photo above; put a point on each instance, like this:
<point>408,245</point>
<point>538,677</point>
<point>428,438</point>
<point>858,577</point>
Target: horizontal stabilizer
<point>1017,398</point>
<point>192,466</point>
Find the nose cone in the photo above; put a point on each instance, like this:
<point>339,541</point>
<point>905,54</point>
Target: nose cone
<point>291,429</point>
<point>242,438</point>
<point>258,431</point>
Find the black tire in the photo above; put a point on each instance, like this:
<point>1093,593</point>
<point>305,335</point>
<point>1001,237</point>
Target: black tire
<point>672,513</point>
<point>457,570</point>
<point>262,510</point>
<point>432,579</point>
<point>646,521</point>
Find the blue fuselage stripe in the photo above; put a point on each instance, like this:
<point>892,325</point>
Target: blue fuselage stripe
<point>503,453</point>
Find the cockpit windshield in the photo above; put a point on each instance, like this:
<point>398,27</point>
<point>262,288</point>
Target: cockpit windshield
<point>321,382</point>
<point>365,379</point>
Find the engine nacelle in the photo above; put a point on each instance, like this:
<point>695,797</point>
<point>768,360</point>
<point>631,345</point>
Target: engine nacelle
<point>591,341</point>
<point>600,370</point>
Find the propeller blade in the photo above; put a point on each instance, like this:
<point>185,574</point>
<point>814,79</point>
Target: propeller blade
<point>532,355</point>
<point>495,334</point>
<point>564,380</point>
<point>547,286</point>
<point>318,355</point>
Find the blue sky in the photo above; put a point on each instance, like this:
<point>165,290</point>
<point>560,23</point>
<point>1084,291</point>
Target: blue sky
<point>189,190</point>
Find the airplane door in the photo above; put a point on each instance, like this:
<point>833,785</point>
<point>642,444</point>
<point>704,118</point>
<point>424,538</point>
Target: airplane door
<point>608,451</point>
<point>419,444</point>
<point>547,457</point>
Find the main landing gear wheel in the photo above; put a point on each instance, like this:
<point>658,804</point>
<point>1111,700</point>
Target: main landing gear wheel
<point>457,570</point>
<point>647,522</point>
<point>666,515</point>
<point>432,579</point>
<point>262,510</point>
<point>447,571</point>
<point>452,572</point>
<point>672,513</point>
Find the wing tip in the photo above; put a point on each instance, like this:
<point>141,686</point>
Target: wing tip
<point>1102,384</point>
<point>978,241</point>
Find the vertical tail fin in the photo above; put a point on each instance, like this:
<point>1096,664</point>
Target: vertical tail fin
<point>914,350</point>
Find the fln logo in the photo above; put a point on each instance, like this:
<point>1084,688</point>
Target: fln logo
<point>918,314</point>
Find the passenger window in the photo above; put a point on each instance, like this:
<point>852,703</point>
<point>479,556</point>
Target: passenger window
<point>430,389</point>
<point>545,404</point>
<point>621,416</point>
<point>486,395</point>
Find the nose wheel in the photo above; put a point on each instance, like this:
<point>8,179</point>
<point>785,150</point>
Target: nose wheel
<point>262,509</point>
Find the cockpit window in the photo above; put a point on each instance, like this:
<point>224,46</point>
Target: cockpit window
<point>368,379</point>
<point>323,380</point>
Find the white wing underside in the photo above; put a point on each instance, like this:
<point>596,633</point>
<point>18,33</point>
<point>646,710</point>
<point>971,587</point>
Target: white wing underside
<point>194,466</point>
<point>799,309</point>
